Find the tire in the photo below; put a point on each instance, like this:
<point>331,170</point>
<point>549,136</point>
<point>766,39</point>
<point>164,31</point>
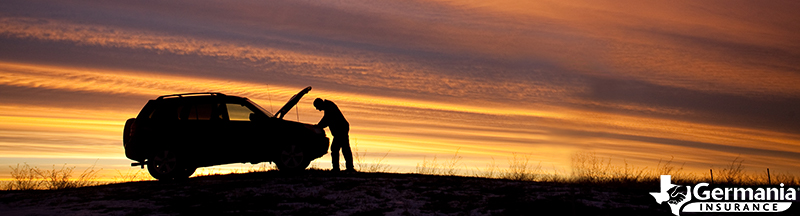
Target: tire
<point>126,132</point>
<point>292,158</point>
<point>166,165</point>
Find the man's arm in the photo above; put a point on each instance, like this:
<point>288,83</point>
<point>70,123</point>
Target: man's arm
<point>324,122</point>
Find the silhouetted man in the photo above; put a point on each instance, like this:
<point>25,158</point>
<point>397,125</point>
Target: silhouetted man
<point>340,130</point>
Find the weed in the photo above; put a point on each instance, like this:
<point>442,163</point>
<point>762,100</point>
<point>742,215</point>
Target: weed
<point>519,170</point>
<point>32,178</point>
<point>131,176</point>
<point>427,167</point>
<point>450,167</point>
<point>57,178</point>
<point>628,174</point>
<point>432,167</point>
<point>587,167</point>
<point>786,179</point>
<point>491,171</point>
<point>666,168</point>
<point>379,165</point>
<point>556,176</point>
<point>24,178</point>
<point>734,173</point>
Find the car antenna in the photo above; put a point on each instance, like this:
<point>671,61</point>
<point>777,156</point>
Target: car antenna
<point>297,111</point>
<point>270,99</point>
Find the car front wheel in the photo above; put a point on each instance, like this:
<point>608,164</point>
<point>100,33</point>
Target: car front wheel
<point>292,158</point>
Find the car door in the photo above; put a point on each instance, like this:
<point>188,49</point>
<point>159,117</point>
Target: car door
<point>202,131</point>
<point>246,132</point>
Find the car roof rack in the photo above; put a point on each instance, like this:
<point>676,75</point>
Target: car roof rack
<point>191,94</point>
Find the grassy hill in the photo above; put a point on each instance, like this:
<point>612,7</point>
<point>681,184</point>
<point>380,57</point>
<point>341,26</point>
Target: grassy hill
<point>316,192</point>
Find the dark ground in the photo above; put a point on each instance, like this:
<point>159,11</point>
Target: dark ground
<point>327,193</point>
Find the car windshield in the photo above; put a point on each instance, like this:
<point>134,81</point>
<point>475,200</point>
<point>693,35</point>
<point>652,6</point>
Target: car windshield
<point>259,108</point>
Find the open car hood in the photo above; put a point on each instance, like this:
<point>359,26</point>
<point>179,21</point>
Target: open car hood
<point>293,101</point>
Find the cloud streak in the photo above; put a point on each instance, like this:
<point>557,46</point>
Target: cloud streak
<point>360,70</point>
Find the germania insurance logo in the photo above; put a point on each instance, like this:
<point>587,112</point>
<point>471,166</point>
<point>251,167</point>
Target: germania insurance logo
<point>704,198</point>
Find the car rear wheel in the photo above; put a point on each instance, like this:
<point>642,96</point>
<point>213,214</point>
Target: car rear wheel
<point>292,158</point>
<point>166,165</point>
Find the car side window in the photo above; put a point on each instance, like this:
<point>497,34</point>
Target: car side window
<point>166,112</point>
<point>238,112</point>
<point>201,112</point>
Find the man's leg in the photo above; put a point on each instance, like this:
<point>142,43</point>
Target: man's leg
<point>344,143</point>
<point>335,155</point>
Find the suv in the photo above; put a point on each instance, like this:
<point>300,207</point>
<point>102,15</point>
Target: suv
<point>175,134</point>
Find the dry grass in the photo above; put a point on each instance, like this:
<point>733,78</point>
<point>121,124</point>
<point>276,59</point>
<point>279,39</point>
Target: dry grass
<point>132,176</point>
<point>785,178</point>
<point>361,164</point>
<point>733,173</point>
<point>427,167</point>
<point>26,177</point>
<point>449,167</point>
<point>61,178</point>
<point>491,171</point>
<point>587,167</point>
<point>520,170</point>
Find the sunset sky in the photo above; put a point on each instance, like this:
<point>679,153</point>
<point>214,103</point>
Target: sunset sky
<point>641,81</point>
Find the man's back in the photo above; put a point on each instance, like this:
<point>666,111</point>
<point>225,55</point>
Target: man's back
<point>334,119</point>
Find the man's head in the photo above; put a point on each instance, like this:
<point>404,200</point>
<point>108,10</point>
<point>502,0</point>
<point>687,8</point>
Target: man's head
<point>318,104</point>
